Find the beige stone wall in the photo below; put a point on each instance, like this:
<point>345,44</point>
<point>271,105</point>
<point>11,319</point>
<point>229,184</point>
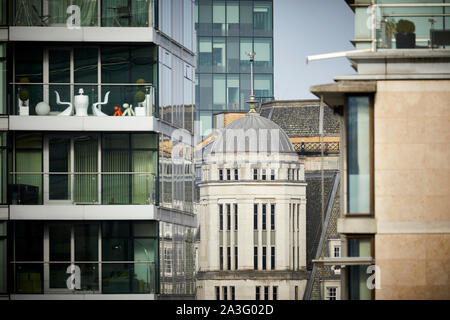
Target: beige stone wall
<point>412,188</point>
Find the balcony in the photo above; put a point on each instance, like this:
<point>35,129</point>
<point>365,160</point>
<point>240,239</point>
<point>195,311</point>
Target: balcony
<point>411,26</point>
<point>84,13</point>
<point>82,107</point>
<point>105,277</point>
<point>81,188</point>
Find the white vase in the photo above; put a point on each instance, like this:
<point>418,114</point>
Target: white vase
<point>24,109</point>
<point>42,108</point>
<point>81,104</point>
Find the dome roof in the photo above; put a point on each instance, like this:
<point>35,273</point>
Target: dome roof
<point>252,133</point>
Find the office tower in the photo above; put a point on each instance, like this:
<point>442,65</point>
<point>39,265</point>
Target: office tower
<point>394,222</point>
<point>94,201</point>
<point>226,32</point>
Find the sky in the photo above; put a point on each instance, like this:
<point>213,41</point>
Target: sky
<point>309,27</point>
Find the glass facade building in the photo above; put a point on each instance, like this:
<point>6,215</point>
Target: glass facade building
<point>92,201</point>
<point>226,32</point>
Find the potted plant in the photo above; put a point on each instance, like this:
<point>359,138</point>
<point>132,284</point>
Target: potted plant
<point>24,98</point>
<point>405,37</point>
<point>140,98</point>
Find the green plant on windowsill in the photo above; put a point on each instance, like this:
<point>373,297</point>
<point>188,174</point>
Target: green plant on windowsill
<point>24,95</point>
<point>405,37</point>
<point>405,26</point>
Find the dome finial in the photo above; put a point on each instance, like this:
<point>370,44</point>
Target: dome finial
<point>252,102</point>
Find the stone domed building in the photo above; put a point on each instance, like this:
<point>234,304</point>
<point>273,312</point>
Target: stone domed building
<point>252,215</point>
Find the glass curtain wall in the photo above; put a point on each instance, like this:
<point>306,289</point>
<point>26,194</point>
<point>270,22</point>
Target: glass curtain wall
<point>227,30</point>
<point>357,281</point>
<point>69,69</point>
<point>128,169</point>
<point>3,257</point>
<point>176,259</point>
<point>127,262</point>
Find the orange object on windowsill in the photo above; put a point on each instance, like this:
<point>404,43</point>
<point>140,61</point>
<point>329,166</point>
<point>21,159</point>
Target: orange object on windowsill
<point>118,112</point>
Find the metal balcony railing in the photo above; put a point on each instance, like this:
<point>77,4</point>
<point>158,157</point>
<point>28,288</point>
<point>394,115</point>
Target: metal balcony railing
<point>83,13</point>
<point>82,99</point>
<point>88,188</point>
<point>430,21</point>
<point>315,147</point>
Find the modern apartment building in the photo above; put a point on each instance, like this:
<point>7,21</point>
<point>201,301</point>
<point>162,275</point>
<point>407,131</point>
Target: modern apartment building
<point>395,113</point>
<point>94,97</point>
<point>228,30</point>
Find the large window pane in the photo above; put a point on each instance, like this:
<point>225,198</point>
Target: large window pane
<point>59,72</point>
<point>263,57</point>
<point>205,54</point>
<point>219,96</point>
<point>219,56</point>
<point>233,18</point>
<point>206,88</point>
<point>219,18</point>
<point>262,18</point>
<point>59,238</point>
<point>29,278</point>
<point>86,242</point>
<point>29,68</point>
<point>144,184</point>
<point>116,241</point>
<point>246,18</point>
<point>85,65</point>
<point>263,86</point>
<point>29,241</point>
<point>244,90</point>
<point>246,47</point>
<point>204,17</point>
<point>358,154</point>
<point>233,54</point>
<point>233,92</point>
<point>205,122</point>
<point>86,161</point>
<point>59,161</point>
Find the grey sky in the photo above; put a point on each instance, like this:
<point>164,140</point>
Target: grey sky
<point>308,27</point>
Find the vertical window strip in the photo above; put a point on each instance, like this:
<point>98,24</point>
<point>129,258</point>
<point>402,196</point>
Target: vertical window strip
<point>274,293</point>
<point>221,174</point>
<point>235,216</point>
<point>217,293</point>
<point>221,258</point>
<point>258,293</point>
<point>255,258</point>
<point>233,293</point>
<point>272,217</point>
<point>236,174</point>
<point>220,217</point>
<point>228,174</point>
<point>236,258</point>
<point>255,216</point>
<point>264,257</point>
<point>228,216</point>
<point>228,258</point>
<point>272,258</point>
<point>255,174</point>
<point>264,216</point>
<point>266,293</point>
<point>272,174</point>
